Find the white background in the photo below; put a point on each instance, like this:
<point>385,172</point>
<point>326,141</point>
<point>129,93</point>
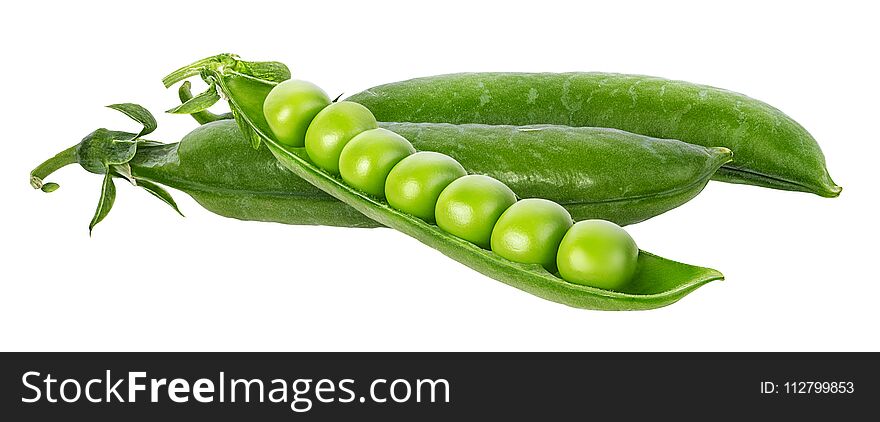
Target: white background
<point>800,269</point>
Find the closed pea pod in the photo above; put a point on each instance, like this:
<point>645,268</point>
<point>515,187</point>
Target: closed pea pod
<point>215,165</point>
<point>770,149</point>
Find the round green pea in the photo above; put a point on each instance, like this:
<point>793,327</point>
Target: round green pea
<point>415,183</point>
<point>290,107</point>
<point>332,129</point>
<point>530,231</point>
<point>366,160</point>
<point>597,253</point>
<point>470,206</point>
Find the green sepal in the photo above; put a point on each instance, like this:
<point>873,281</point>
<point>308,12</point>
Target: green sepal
<point>149,143</point>
<point>158,192</point>
<point>202,117</point>
<point>123,171</point>
<point>107,152</point>
<point>198,103</point>
<point>193,69</point>
<point>138,114</point>
<point>216,66</point>
<point>105,202</point>
<point>267,71</point>
<point>103,147</point>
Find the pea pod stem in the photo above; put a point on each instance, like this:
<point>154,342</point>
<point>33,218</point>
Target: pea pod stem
<point>41,172</point>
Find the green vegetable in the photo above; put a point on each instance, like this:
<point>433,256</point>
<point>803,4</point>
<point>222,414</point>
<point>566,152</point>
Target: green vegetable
<point>657,282</point>
<point>589,171</point>
<point>415,183</point>
<point>332,129</point>
<point>292,107</point>
<point>215,165</point>
<point>770,149</point>
<point>368,158</point>
<point>598,253</point>
<point>470,206</point>
<point>529,232</point>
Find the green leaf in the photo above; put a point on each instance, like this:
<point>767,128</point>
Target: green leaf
<point>198,103</point>
<point>105,202</point>
<point>103,147</point>
<point>160,193</point>
<point>138,114</point>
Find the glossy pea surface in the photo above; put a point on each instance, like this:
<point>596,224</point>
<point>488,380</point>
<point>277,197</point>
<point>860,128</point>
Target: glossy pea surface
<point>597,253</point>
<point>530,231</point>
<point>415,183</point>
<point>470,206</point>
<point>290,107</point>
<point>366,160</point>
<point>332,128</point>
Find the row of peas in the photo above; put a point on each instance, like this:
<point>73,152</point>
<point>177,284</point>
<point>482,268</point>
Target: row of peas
<point>344,139</point>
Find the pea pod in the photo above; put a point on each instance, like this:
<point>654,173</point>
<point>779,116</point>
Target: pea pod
<point>657,281</point>
<point>585,169</point>
<point>770,149</point>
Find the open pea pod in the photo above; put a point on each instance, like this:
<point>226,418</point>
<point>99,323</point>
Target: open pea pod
<point>658,281</point>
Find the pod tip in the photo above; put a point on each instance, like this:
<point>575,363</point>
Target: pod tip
<point>834,191</point>
<point>724,154</point>
<point>724,151</point>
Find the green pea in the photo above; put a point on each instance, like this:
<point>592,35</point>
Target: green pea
<point>366,160</point>
<point>415,183</point>
<point>290,107</point>
<point>470,206</point>
<point>529,232</point>
<point>332,129</point>
<point>597,253</point>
